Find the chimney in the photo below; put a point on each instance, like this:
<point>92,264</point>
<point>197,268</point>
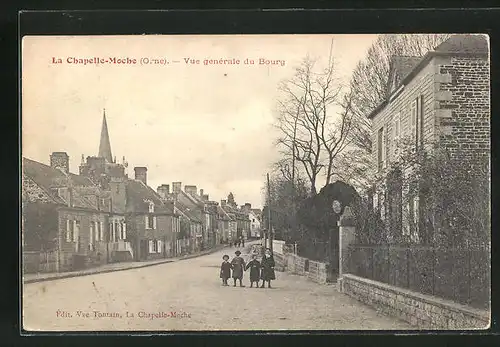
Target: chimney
<point>163,190</point>
<point>201,192</point>
<point>248,207</point>
<point>205,197</point>
<point>176,187</point>
<point>141,174</point>
<point>223,202</point>
<point>60,160</point>
<point>191,190</point>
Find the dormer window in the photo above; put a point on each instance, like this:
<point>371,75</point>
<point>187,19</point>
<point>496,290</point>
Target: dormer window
<point>151,207</point>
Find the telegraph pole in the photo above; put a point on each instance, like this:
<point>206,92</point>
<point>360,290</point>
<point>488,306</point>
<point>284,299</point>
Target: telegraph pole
<point>269,213</point>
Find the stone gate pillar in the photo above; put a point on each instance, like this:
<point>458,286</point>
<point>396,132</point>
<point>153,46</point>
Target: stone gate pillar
<point>346,237</point>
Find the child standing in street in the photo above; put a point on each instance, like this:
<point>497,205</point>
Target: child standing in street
<point>225,270</point>
<point>254,266</point>
<point>238,266</point>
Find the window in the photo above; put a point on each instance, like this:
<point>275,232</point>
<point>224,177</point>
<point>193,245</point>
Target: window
<point>150,222</point>
<point>396,133</point>
<point>150,246</point>
<point>116,230</point>
<point>69,230</point>
<point>151,207</point>
<point>124,231</point>
<point>420,122</point>
<point>92,237</point>
<point>381,202</point>
<point>380,148</point>
<point>414,121</point>
<point>100,230</point>
<point>159,246</point>
<point>76,235</point>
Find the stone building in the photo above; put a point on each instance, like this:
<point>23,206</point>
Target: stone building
<point>65,217</point>
<point>440,100</point>
<point>141,225</point>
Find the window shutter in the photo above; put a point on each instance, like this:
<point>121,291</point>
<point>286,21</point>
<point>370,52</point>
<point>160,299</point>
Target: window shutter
<point>416,212</point>
<point>75,236</point>
<point>150,246</point>
<point>91,238</point>
<point>68,234</point>
<point>146,221</point>
<point>154,222</point>
<point>124,228</point>
<point>101,231</point>
<point>159,246</point>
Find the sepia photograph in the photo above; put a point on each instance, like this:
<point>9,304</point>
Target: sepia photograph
<point>327,182</point>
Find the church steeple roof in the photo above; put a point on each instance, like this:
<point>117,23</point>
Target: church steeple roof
<point>104,144</point>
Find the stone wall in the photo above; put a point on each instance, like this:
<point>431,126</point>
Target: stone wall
<point>421,311</point>
<point>296,264</point>
<point>464,115</point>
<point>281,262</point>
<point>319,272</point>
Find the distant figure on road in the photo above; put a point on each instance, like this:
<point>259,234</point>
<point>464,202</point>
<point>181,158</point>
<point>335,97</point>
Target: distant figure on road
<point>242,241</point>
<point>225,270</point>
<point>238,265</point>
<point>254,266</point>
<point>267,264</point>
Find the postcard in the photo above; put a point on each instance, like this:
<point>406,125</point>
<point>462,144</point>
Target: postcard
<point>255,182</point>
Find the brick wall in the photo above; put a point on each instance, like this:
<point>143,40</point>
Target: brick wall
<point>421,311</point>
<point>464,121</point>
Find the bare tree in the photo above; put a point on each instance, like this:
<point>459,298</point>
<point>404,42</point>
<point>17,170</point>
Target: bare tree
<point>309,133</point>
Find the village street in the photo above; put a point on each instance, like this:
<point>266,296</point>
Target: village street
<point>192,289</point>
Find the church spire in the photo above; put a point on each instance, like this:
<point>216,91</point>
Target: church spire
<point>104,145</point>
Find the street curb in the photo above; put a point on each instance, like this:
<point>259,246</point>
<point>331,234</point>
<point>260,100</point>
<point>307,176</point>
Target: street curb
<point>36,280</point>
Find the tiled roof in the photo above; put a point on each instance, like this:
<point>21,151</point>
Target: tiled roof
<point>48,178</point>
<point>464,43</point>
<point>187,211</point>
<point>222,212</point>
<point>138,193</point>
<point>455,45</point>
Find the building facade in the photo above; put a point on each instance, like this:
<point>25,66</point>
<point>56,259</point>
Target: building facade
<point>438,101</point>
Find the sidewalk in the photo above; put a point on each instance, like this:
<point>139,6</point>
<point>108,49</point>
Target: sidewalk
<point>40,277</point>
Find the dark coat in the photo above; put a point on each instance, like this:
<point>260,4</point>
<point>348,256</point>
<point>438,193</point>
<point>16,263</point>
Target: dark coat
<point>238,267</point>
<point>254,266</point>
<point>267,273</point>
<point>225,270</point>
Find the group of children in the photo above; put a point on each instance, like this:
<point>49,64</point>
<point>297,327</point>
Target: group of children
<point>259,270</point>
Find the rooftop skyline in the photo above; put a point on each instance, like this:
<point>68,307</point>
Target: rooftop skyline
<point>203,125</point>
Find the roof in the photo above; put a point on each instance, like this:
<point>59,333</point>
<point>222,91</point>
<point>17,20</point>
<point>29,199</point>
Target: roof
<point>104,144</point>
<point>48,178</point>
<point>187,212</point>
<point>223,212</point>
<point>460,44</point>
<point>139,193</point>
<point>403,65</point>
<point>464,43</point>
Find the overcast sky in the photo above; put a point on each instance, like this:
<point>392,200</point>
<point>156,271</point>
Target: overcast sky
<point>203,125</point>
